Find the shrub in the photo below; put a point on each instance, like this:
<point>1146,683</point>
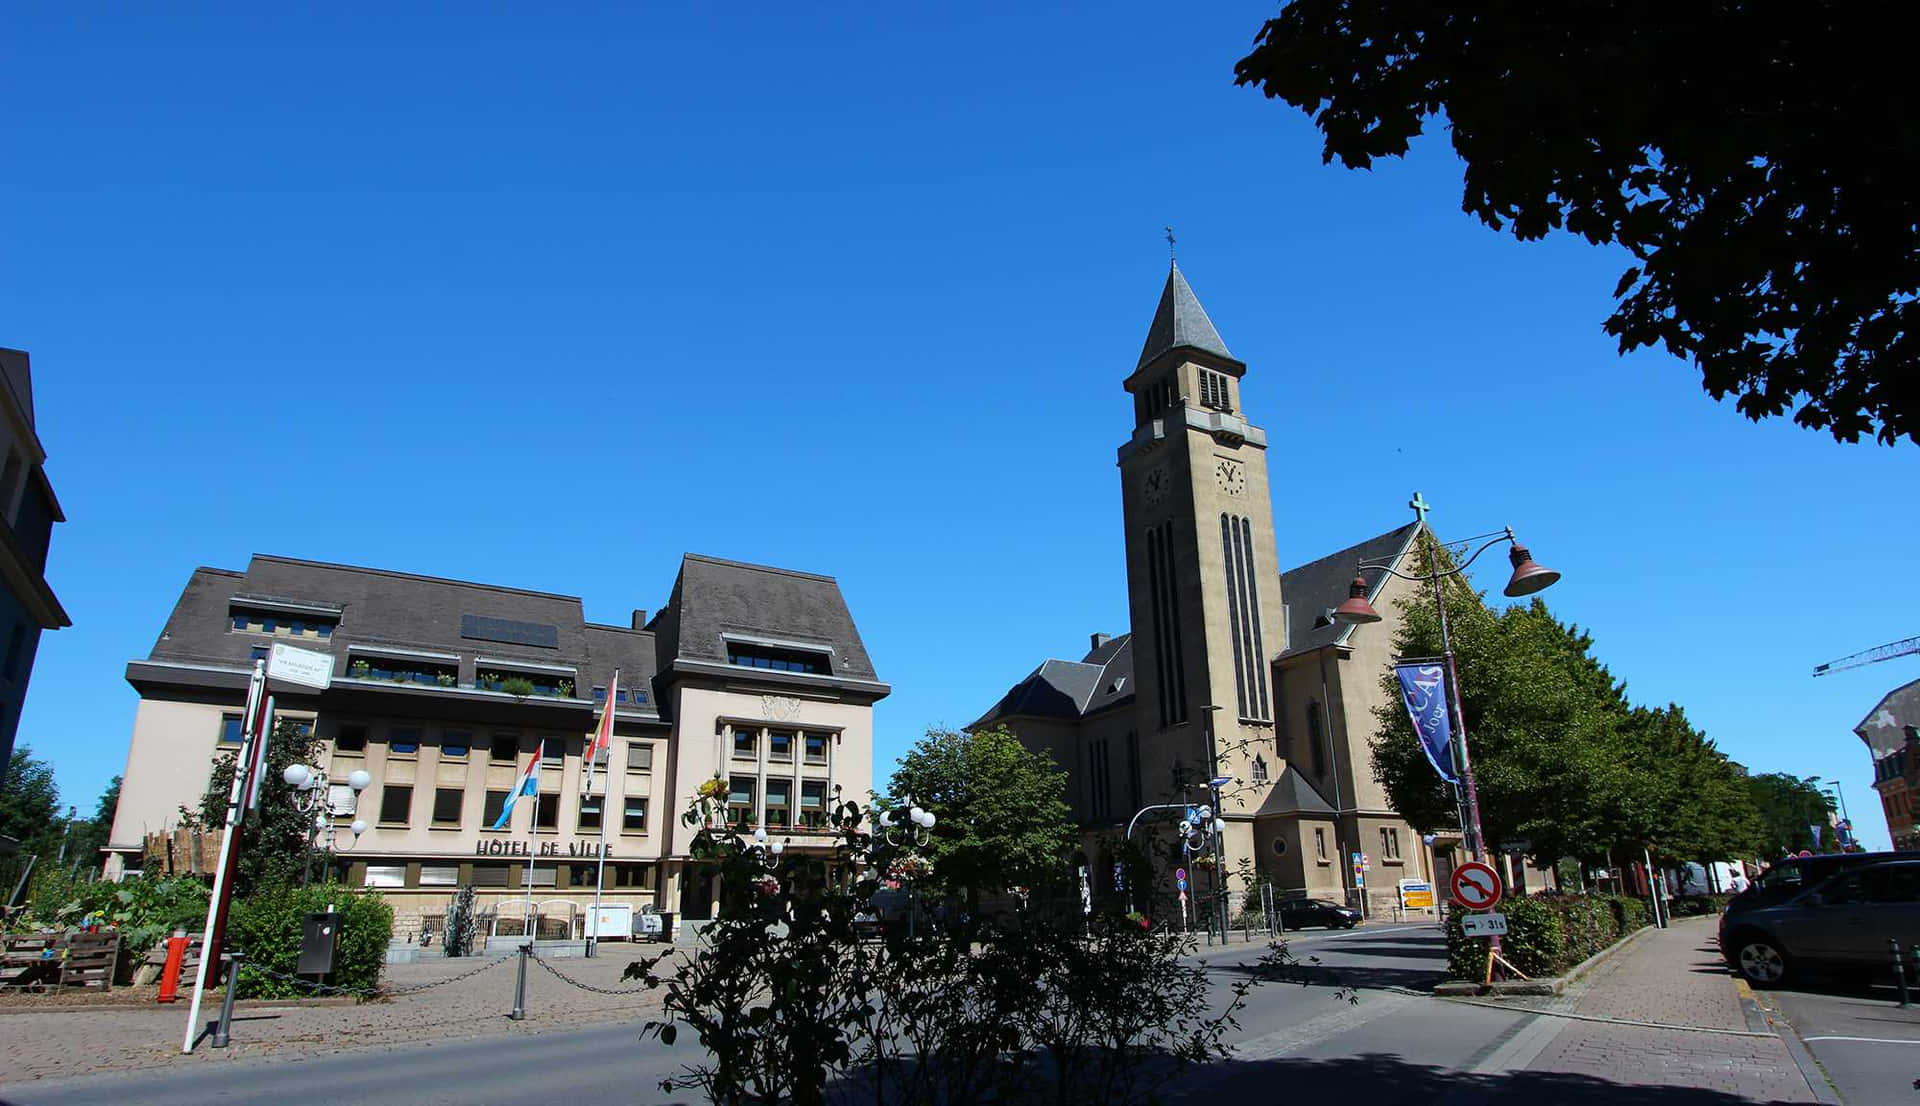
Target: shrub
<point>1547,935</point>
<point>1696,906</point>
<point>267,925</point>
<point>144,909</point>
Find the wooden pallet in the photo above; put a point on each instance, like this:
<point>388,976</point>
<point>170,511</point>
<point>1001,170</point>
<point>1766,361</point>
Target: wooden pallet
<point>90,960</point>
<point>39,962</point>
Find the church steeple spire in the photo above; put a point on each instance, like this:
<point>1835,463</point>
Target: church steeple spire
<point>1179,322</point>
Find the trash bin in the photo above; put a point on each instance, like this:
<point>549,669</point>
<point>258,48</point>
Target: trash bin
<point>317,939</point>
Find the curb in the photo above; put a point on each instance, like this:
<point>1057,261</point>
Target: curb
<point>1457,988</point>
<point>1759,1016</point>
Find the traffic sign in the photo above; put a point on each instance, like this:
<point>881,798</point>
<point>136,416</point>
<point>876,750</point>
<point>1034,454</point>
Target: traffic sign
<point>1476,886</point>
<point>1806,852</point>
<point>1180,874</point>
<point>1484,925</point>
<point>1416,894</point>
<point>1182,884</point>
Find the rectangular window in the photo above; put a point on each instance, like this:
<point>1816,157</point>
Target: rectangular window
<point>455,744</point>
<point>816,748</point>
<point>350,737</point>
<point>813,803</point>
<point>446,805</point>
<point>403,741</point>
<point>490,811</point>
<point>439,875</point>
<point>780,744</point>
<point>580,875</point>
<point>640,758</point>
<point>746,744</point>
<point>599,694</point>
<point>590,814</point>
<point>633,875</point>
<point>1389,844</point>
<point>779,802</point>
<point>548,816</point>
<point>1320,844</point>
<point>492,875</point>
<point>504,749</point>
<point>778,659</point>
<point>230,729</point>
<point>281,625</point>
<point>396,804</point>
<point>634,818</point>
<point>544,875</point>
<point>302,727</point>
<point>257,653</point>
<point>553,753</point>
<point>740,799</point>
<point>386,875</point>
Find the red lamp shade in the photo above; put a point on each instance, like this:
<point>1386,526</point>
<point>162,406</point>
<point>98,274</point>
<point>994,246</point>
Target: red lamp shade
<point>1356,610</point>
<point>1528,577</point>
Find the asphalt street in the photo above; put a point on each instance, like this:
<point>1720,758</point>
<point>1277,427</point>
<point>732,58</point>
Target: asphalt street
<point>1866,1043</point>
<point>1355,1006</point>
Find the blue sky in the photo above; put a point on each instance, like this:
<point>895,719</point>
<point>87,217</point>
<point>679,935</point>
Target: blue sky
<point>547,299</point>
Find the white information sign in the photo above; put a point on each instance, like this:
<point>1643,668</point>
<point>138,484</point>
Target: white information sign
<point>306,667</point>
<point>1484,925</point>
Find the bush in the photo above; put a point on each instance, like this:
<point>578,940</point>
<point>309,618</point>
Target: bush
<point>267,925</point>
<point>1547,935</point>
<point>144,909</point>
<point>1697,906</point>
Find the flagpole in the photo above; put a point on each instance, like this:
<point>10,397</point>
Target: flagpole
<point>600,866</point>
<point>532,828</point>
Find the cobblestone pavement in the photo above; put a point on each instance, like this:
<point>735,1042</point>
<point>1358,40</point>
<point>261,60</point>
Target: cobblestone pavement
<point>1674,977</point>
<point>43,1044</point>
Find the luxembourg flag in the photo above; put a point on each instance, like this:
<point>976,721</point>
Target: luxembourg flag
<point>603,734</point>
<point>529,785</point>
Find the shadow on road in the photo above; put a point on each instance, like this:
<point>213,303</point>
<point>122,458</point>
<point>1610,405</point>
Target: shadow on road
<point>1385,1078</point>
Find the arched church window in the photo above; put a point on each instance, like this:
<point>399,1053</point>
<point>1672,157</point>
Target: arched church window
<point>1316,733</point>
<point>1259,769</point>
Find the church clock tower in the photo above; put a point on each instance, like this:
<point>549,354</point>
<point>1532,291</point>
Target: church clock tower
<point>1202,578</point>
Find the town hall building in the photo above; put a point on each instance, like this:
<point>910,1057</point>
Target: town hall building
<point>1231,667</point>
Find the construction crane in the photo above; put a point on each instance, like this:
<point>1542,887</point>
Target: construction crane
<point>1875,655</point>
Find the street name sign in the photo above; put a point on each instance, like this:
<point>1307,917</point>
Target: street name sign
<point>305,667</point>
<point>1476,886</point>
<point>1484,925</point>
<point>1416,894</point>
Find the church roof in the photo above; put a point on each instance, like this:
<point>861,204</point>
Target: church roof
<point>1315,588</point>
<point>1070,689</point>
<point>1180,322</point>
<point>1292,794</point>
<point>1884,729</point>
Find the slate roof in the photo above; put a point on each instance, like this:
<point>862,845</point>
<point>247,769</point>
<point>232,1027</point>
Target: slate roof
<point>1292,794</point>
<point>1884,727</point>
<point>1070,689</point>
<point>1312,590</point>
<point>713,598</point>
<point>1180,322</point>
<point>398,610</point>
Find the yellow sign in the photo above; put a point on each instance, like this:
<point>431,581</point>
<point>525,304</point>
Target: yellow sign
<point>1416,894</point>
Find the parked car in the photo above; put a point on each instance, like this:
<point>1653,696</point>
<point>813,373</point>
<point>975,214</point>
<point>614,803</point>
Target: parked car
<point>1843,924</point>
<point>1300,913</point>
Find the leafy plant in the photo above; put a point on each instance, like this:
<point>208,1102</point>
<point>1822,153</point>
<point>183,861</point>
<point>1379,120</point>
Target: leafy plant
<point>517,686</point>
<point>266,926</point>
<point>358,669</point>
<point>445,679</point>
<point>792,1005</point>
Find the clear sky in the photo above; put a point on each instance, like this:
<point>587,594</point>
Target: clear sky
<point>547,298</point>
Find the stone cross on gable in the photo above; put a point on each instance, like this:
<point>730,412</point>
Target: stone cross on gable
<point>1419,506</point>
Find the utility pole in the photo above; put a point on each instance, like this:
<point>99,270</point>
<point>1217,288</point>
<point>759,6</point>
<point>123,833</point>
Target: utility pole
<point>1219,822</point>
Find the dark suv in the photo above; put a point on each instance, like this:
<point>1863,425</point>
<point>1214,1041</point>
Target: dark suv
<point>1844,923</point>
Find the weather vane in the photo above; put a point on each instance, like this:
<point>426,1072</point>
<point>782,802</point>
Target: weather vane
<point>1170,253</point>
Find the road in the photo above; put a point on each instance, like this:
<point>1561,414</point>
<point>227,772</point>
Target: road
<point>1867,1044</point>
<point>1398,1035</point>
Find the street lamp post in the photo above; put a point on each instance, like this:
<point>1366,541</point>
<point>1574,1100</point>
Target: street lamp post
<point>1528,578</point>
<point>921,823</point>
<point>1219,813</point>
<point>310,797</point>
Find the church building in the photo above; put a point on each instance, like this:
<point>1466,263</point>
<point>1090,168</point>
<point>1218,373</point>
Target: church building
<point>1231,667</point>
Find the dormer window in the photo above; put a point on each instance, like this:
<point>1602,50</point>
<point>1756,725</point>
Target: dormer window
<point>312,625</point>
<point>779,658</point>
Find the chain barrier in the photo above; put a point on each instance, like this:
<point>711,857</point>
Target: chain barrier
<point>372,992</point>
<point>564,978</point>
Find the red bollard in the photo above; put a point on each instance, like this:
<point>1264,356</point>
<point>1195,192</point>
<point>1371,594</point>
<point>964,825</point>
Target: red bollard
<point>170,975</point>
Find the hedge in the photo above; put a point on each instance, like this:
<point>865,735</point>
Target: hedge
<point>267,926</point>
<point>1697,906</point>
<point>1547,934</point>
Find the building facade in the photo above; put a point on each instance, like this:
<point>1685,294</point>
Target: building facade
<point>1231,666</point>
<point>1891,731</point>
<point>29,509</point>
<point>443,690</point>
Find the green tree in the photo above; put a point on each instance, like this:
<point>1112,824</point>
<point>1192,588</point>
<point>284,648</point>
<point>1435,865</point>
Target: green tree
<point>1002,818</point>
<point>1755,159</point>
<point>274,839</point>
<point>91,835</point>
<point>30,803</point>
<point>1690,802</point>
<point>1788,807</point>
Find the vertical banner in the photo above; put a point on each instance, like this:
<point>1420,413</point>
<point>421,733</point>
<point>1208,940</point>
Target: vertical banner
<point>1423,687</point>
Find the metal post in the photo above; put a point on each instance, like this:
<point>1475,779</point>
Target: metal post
<point>225,1024</point>
<point>1219,834</point>
<point>1899,971</point>
<point>520,984</point>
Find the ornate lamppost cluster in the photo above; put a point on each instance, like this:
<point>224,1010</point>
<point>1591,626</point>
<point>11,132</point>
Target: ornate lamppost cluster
<point>311,797</point>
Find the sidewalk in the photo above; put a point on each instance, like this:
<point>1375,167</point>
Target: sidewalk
<point>1700,1036</point>
<point>449,1000</point>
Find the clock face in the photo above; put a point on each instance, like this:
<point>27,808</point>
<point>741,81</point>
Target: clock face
<point>1231,474</point>
<point>1154,488</point>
